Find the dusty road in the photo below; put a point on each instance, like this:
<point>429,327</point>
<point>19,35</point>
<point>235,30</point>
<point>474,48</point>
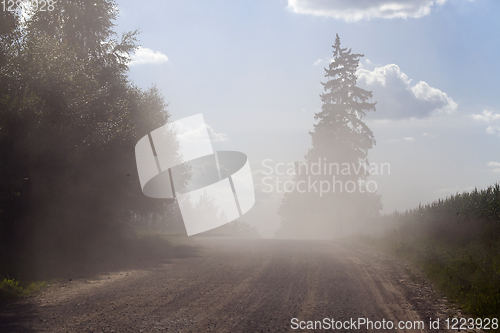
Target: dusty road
<point>235,286</point>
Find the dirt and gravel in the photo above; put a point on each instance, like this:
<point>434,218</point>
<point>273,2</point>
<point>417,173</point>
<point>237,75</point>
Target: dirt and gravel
<point>221,285</point>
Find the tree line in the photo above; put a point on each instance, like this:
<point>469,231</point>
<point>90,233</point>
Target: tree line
<point>69,120</point>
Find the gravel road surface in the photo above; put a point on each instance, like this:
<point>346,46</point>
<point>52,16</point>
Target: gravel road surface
<point>221,285</point>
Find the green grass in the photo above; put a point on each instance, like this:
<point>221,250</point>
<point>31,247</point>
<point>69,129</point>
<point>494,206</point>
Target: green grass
<point>456,242</point>
<point>11,288</point>
<point>466,273</point>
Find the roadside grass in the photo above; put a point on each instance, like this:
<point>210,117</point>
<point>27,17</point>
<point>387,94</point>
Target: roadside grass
<point>456,242</point>
<point>467,274</point>
<point>11,288</point>
<point>139,246</point>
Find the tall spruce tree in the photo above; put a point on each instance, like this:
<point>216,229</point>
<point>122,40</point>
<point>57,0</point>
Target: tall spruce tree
<point>340,133</point>
<point>326,205</point>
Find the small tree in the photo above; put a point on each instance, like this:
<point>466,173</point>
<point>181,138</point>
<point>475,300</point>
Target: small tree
<point>340,138</point>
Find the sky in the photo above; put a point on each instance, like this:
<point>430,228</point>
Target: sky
<point>253,69</point>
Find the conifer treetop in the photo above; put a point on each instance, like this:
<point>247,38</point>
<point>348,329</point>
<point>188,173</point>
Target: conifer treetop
<point>339,127</point>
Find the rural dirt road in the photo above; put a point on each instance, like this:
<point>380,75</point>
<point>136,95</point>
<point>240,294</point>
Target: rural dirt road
<point>221,285</point>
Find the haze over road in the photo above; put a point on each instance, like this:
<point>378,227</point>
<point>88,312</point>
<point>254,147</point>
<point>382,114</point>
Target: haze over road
<point>224,285</point>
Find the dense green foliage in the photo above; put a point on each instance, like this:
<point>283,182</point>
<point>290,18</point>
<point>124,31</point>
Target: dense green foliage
<point>457,243</point>
<point>340,137</point>
<point>69,121</point>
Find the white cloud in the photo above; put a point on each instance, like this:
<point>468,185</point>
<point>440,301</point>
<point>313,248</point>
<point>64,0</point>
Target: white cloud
<point>144,55</point>
<point>320,61</point>
<point>317,62</point>
<point>355,10</point>
<point>435,96</point>
<point>493,130</point>
<point>486,116</point>
<point>409,138</point>
<point>216,137</point>
<point>186,133</point>
<point>398,99</point>
<point>367,62</point>
<point>495,165</point>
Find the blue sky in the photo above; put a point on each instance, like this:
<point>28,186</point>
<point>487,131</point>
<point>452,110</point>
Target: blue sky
<point>253,68</point>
